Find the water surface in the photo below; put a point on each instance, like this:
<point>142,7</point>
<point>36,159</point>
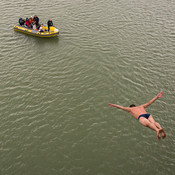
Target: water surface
<point>54,92</point>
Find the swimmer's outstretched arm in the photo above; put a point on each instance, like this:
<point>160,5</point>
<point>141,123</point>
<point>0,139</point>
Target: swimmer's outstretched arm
<point>154,99</point>
<point>120,107</point>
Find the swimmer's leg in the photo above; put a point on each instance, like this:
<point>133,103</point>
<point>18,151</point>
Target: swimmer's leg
<point>162,131</point>
<point>151,119</point>
<point>147,123</point>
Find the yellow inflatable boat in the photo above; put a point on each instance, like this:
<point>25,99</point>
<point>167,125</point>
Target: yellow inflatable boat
<point>24,29</point>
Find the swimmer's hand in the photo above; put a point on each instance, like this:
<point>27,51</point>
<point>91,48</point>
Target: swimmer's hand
<point>111,105</point>
<point>160,94</point>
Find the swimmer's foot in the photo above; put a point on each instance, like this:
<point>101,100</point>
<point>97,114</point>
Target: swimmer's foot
<point>161,131</point>
<point>163,134</point>
<point>158,135</point>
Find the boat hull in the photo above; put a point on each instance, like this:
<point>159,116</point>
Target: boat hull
<point>26,30</point>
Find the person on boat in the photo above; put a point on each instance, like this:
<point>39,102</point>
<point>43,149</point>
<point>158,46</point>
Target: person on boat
<point>34,26</point>
<point>49,23</point>
<point>41,28</point>
<point>31,20</point>
<point>28,23</point>
<point>36,20</point>
<point>21,21</point>
<point>145,119</point>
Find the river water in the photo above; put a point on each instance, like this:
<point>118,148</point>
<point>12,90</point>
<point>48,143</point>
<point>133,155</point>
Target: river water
<point>54,92</point>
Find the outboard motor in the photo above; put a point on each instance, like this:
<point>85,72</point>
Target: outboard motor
<point>21,21</point>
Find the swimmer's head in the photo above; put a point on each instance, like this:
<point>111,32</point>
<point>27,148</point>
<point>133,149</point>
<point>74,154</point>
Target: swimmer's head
<point>133,105</point>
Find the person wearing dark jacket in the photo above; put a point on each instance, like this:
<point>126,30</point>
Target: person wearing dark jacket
<point>21,21</point>
<point>49,23</point>
<point>36,20</point>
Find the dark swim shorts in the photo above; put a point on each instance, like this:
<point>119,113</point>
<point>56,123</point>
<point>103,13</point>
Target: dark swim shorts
<point>144,115</point>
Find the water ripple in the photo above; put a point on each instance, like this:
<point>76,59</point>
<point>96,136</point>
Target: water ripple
<point>55,92</point>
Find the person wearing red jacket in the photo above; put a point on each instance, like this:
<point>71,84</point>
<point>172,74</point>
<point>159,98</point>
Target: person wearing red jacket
<point>28,23</point>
